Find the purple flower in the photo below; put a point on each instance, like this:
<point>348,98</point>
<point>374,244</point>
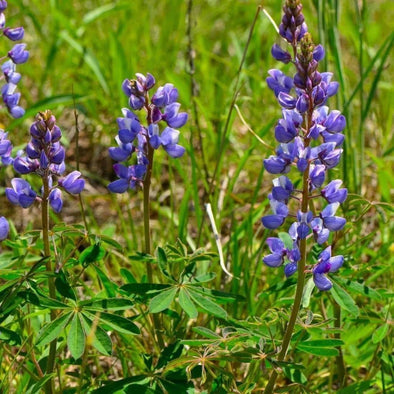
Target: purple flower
<point>4,228</point>
<point>279,82</point>
<point>332,192</point>
<point>130,177</point>
<point>9,71</point>
<point>326,264</point>
<point>14,34</point>
<point>21,193</point>
<point>320,233</point>
<point>277,219</point>
<point>165,95</point>
<point>18,54</point>
<point>72,183</point>
<point>55,200</point>
<point>331,222</point>
<point>172,117</point>
<point>282,189</point>
<point>279,54</point>
<point>278,252</point>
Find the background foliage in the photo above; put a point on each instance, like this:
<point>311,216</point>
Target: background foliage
<point>82,51</point>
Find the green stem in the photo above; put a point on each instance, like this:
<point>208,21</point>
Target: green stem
<point>341,367</point>
<point>298,296</point>
<point>147,182</point>
<point>50,386</point>
<point>302,263</point>
<point>147,249</point>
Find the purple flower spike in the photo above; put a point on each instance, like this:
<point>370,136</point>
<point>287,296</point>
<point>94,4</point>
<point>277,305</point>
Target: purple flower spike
<point>4,228</point>
<point>72,184</point>
<point>310,137</point>
<point>21,193</point>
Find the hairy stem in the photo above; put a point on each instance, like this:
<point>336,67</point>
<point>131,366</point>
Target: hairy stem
<point>298,296</point>
<point>341,367</point>
<point>50,386</point>
<point>147,248</point>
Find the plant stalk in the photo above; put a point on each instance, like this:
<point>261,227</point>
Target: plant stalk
<point>147,248</point>
<point>298,296</point>
<point>50,386</point>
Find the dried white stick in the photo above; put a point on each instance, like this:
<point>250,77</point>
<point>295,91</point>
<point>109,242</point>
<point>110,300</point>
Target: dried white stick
<point>217,238</point>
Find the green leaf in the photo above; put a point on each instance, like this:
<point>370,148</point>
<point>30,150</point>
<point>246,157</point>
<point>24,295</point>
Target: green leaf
<point>110,304</point>
<point>97,337</point>
<point>92,254</point>
<point>115,322</point>
<point>63,287</point>
<point>52,330</point>
<point>380,333</point>
<point>322,343</point>
<point>204,278</point>
<point>186,303</point>
<point>143,288</point>
<point>207,304</point>
<point>35,388</point>
<point>9,336</point>
<point>110,287</point>
<point>206,332</point>
<point>286,239</point>
<point>88,57</point>
<point>344,300</point>
<point>76,337</point>
<point>359,288</point>
<point>357,388</point>
<point>307,292</point>
<point>319,351</point>
<point>162,300</point>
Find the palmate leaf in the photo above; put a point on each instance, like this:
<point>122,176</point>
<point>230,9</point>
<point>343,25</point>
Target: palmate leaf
<point>114,322</point>
<point>76,337</point>
<point>96,336</point>
<point>187,304</point>
<point>163,300</point>
<point>52,330</point>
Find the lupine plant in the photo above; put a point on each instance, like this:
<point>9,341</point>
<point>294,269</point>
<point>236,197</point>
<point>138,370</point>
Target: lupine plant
<point>276,293</point>
<point>310,143</point>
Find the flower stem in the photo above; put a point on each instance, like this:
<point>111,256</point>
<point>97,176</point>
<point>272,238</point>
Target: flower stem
<point>147,249</point>
<point>51,284</point>
<point>298,296</point>
<point>147,182</point>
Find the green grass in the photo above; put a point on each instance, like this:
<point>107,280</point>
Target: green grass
<point>82,51</point>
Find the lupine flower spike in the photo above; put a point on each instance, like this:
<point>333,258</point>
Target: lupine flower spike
<point>163,120</point>
<point>17,55</point>
<point>44,156</point>
<point>310,139</point>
